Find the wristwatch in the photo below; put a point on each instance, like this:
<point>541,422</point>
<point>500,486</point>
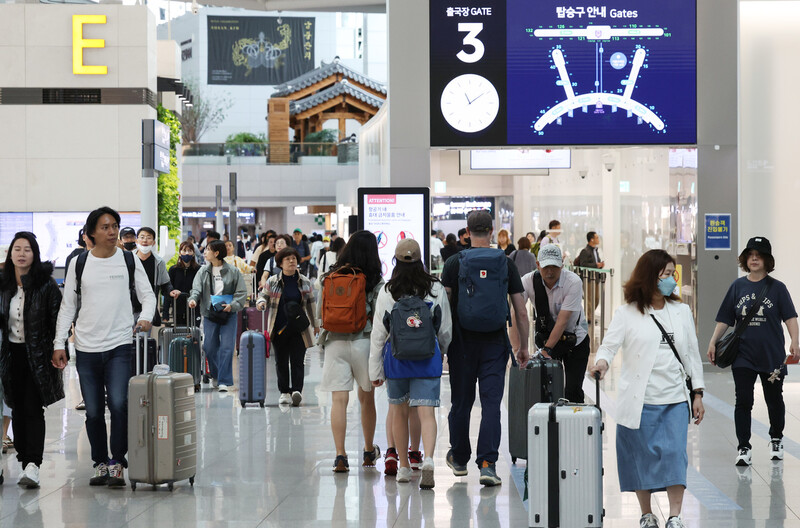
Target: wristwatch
<point>698,392</point>
<point>547,350</point>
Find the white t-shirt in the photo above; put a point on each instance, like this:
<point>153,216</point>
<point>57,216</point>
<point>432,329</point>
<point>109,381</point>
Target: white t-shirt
<point>16,317</point>
<point>105,320</point>
<point>216,276</point>
<point>436,247</point>
<point>666,381</point>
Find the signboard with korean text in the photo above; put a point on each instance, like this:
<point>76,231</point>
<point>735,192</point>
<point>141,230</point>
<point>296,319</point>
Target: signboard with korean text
<point>245,50</point>
<point>562,73</point>
<point>718,232</point>
<point>393,214</point>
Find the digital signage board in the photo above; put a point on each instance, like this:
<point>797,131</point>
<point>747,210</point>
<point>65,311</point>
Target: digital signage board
<point>563,73</point>
<point>393,214</point>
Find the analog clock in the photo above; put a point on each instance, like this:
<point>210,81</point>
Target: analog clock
<point>470,103</point>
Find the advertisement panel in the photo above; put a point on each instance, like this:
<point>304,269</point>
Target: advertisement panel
<point>252,51</point>
<point>393,214</point>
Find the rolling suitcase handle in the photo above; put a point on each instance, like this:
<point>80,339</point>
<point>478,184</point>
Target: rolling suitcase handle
<point>597,391</point>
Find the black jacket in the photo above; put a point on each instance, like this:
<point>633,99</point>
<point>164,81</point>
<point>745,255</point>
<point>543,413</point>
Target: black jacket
<point>586,258</point>
<point>42,301</point>
<point>181,278</point>
<point>448,251</point>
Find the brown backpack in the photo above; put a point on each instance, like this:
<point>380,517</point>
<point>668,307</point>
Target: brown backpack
<point>344,301</point>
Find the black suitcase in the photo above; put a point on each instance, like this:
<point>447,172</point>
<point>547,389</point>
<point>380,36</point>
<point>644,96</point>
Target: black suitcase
<point>541,381</point>
<point>146,349</point>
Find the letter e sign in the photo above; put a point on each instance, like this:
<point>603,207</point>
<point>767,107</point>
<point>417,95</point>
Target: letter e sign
<point>79,43</point>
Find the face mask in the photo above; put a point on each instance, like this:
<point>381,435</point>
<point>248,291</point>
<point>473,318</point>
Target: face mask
<point>144,249</point>
<point>130,246</point>
<point>667,286</point>
<point>187,258</point>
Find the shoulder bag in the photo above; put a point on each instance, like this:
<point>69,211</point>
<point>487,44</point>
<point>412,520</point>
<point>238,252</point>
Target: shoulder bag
<point>216,313</point>
<point>677,356</point>
<point>544,322</point>
<point>727,348</point>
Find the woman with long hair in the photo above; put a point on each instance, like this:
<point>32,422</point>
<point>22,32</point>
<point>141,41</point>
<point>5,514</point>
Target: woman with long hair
<point>329,258</point>
<point>347,355</point>
<point>450,247</point>
<point>220,291</point>
<point>29,304</point>
<point>289,297</point>
<point>271,268</point>
<point>656,333</point>
<point>182,275</point>
<point>762,350</point>
<point>504,241</point>
<point>415,383</point>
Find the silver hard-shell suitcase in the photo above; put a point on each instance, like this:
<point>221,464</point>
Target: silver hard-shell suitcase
<point>565,454</point>
<point>162,429</point>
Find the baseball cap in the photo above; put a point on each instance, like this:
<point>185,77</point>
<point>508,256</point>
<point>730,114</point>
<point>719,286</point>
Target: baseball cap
<point>479,221</point>
<point>297,230</point>
<point>550,255</point>
<point>407,250</point>
<point>127,231</point>
<point>760,244</point>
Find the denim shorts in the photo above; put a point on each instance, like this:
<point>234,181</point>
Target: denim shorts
<point>418,392</point>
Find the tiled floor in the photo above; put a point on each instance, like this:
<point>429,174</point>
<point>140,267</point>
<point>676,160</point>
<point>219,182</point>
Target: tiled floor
<point>272,467</point>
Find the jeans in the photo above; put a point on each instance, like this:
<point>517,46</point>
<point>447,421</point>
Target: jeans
<point>27,416</point>
<point>575,370</point>
<point>104,374</point>
<point>289,349</point>
<point>219,343</point>
<point>744,380</point>
<point>483,362</point>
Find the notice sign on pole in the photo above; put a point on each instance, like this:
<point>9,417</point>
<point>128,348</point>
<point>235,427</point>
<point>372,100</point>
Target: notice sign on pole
<point>394,214</point>
<point>718,232</point>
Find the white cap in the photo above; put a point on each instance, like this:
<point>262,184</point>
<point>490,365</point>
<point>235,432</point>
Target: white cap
<point>550,255</point>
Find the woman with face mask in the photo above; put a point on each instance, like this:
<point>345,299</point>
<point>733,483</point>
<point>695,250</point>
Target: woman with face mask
<point>29,304</point>
<point>656,333</point>
<point>181,275</point>
<point>270,268</point>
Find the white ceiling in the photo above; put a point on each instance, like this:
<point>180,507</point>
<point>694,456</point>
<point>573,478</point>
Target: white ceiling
<point>346,6</point>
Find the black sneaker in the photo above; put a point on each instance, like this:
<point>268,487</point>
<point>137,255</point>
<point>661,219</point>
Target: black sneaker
<point>371,456</point>
<point>459,470</point>
<point>100,477</point>
<point>116,475</point>
<point>340,465</point>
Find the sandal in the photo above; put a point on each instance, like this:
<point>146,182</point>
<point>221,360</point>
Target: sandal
<point>7,444</point>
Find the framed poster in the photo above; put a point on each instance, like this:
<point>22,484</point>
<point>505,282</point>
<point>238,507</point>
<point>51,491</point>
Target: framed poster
<point>393,214</point>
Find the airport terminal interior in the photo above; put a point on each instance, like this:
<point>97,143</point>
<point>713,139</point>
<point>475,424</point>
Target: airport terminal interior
<point>656,125</point>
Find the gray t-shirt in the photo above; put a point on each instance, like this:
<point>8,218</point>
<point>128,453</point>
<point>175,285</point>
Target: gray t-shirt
<point>567,294</point>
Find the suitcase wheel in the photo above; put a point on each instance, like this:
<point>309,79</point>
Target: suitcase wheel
<point>513,460</point>
<point>170,486</point>
<point>261,403</point>
<point>133,486</point>
<point>197,387</point>
<point>206,379</point>
<point>191,481</point>
<point>244,403</point>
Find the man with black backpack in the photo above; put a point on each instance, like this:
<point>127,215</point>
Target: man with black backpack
<point>478,282</point>
<point>97,297</point>
<point>560,325</point>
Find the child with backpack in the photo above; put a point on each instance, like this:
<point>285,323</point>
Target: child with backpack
<point>347,303</point>
<point>411,331</point>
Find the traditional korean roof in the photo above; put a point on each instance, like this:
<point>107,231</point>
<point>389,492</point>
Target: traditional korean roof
<point>322,73</point>
<point>339,88</point>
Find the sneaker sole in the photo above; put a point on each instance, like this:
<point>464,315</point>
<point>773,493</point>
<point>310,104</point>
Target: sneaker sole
<point>103,482</point>
<point>404,480</point>
<point>296,400</point>
<point>369,459</point>
<point>116,483</point>
<point>25,482</point>
<point>742,463</point>
<point>426,480</point>
<point>777,457</point>
<point>390,471</point>
<point>340,468</point>
<point>490,481</point>
<point>457,472</point>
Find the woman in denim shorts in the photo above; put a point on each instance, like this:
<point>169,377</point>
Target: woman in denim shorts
<point>410,383</point>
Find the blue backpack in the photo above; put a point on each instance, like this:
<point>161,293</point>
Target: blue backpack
<point>483,289</point>
<point>421,356</point>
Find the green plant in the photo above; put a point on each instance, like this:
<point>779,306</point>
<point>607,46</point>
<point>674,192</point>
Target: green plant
<point>314,147</point>
<point>246,144</point>
<point>169,197</point>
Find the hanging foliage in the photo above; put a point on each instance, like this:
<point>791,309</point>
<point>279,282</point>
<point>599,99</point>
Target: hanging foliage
<point>169,197</point>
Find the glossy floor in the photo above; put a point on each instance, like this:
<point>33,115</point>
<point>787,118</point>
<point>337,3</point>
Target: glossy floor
<point>272,467</point>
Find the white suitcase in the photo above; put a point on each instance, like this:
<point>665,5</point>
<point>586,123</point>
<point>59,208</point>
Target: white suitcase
<point>565,461</point>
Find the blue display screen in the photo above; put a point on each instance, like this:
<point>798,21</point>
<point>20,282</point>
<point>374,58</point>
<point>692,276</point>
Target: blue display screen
<point>558,72</point>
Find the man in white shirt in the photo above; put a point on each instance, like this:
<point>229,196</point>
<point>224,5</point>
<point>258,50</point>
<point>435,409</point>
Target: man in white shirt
<point>436,250</point>
<point>561,316</point>
<point>103,317</point>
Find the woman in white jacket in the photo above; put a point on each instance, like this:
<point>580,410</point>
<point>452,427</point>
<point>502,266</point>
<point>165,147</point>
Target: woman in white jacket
<point>654,404</point>
<point>411,383</point>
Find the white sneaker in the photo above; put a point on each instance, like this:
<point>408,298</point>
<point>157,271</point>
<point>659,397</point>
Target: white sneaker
<point>223,388</point>
<point>675,522</point>
<point>744,458</point>
<point>296,398</point>
<point>404,474</point>
<point>648,520</point>
<point>426,479</point>
<point>285,399</point>
<point>776,449</point>
<point>30,477</point>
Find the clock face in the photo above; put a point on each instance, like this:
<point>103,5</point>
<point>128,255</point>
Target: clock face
<point>470,103</point>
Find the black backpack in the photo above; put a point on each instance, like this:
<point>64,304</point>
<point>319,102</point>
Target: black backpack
<point>413,328</point>
<point>80,264</point>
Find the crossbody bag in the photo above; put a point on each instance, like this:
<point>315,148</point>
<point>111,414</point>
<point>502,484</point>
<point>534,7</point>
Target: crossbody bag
<point>664,333</point>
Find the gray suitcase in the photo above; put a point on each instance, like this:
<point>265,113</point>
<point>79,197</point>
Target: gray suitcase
<point>565,445</point>
<point>162,429</point>
<point>542,380</point>
<point>168,333</point>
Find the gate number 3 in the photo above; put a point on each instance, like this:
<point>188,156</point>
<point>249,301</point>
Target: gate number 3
<point>472,30</point>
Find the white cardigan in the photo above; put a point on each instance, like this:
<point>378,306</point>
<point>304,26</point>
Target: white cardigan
<point>635,333</point>
<point>380,335</point>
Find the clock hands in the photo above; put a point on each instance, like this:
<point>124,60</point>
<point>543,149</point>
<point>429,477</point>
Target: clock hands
<point>473,100</point>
